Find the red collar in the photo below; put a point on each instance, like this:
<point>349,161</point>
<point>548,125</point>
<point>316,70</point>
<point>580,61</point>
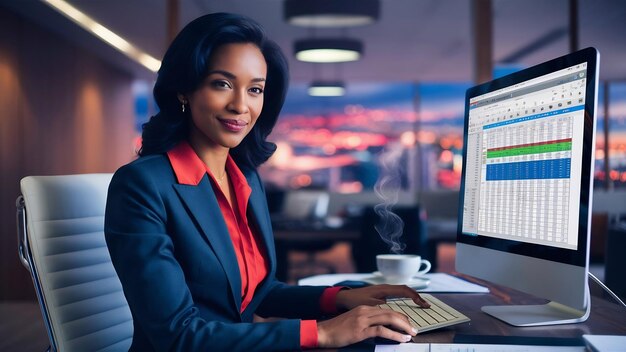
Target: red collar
<point>190,169</point>
<point>187,165</point>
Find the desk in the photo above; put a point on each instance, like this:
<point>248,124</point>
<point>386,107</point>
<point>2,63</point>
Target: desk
<point>21,327</point>
<point>607,318</point>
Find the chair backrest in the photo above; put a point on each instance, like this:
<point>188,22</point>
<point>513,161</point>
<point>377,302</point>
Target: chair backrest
<point>61,230</point>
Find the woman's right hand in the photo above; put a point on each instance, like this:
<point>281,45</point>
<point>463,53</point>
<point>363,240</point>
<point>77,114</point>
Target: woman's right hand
<point>361,323</point>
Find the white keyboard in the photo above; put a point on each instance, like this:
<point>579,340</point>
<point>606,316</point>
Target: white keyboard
<point>437,316</point>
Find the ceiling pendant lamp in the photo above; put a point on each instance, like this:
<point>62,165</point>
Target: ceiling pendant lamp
<point>327,89</point>
<point>324,50</point>
<point>331,13</point>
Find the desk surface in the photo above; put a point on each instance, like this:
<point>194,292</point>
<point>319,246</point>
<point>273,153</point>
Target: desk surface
<point>25,331</point>
<point>607,318</point>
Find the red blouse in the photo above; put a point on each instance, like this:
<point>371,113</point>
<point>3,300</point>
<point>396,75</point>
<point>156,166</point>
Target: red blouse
<point>251,257</point>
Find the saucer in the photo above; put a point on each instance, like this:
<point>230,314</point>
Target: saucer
<point>414,282</point>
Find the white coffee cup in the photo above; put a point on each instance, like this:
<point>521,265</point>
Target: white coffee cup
<point>400,268</point>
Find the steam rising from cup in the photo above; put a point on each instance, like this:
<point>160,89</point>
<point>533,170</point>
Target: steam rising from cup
<point>390,226</point>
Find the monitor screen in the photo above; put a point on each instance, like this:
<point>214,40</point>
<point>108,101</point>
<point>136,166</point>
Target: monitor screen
<point>527,171</point>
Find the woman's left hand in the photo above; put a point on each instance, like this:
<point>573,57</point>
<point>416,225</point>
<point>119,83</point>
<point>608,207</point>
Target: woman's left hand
<point>374,295</point>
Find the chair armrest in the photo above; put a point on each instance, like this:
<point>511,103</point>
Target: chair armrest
<point>22,239</point>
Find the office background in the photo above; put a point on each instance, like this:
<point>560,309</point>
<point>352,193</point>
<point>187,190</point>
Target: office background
<point>69,103</point>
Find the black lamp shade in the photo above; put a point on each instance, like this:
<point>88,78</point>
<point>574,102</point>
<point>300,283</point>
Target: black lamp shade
<point>328,50</point>
<point>331,13</point>
<point>327,88</point>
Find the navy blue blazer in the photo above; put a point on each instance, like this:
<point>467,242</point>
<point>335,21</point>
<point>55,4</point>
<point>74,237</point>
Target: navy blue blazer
<point>173,254</point>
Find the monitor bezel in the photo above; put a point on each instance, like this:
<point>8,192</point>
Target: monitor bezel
<point>576,257</point>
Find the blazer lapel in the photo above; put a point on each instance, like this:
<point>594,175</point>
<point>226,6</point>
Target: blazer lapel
<point>201,202</point>
<point>258,205</point>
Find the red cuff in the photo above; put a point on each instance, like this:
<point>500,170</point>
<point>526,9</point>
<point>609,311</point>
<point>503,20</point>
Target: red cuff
<point>308,334</point>
<point>308,328</point>
<point>328,301</point>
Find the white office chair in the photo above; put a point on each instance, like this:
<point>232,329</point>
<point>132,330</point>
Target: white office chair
<point>61,242</point>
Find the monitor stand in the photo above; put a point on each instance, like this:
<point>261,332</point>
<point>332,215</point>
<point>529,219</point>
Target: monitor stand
<point>552,313</point>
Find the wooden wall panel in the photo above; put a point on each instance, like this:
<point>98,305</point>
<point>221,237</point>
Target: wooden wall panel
<point>62,111</point>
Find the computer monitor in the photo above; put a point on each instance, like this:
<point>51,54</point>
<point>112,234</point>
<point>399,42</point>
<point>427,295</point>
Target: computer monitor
<point>526,187</point>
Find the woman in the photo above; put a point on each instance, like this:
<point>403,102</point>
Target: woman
<point>187,224</point>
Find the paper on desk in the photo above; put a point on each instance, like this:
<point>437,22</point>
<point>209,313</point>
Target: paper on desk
<point>440,347</point>
<point>456,347</point>
<point>439,282</point>
<point>606,343</point>
<point>404,347</point>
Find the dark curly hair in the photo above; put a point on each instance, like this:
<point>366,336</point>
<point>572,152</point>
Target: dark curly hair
<point>185,66</point>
